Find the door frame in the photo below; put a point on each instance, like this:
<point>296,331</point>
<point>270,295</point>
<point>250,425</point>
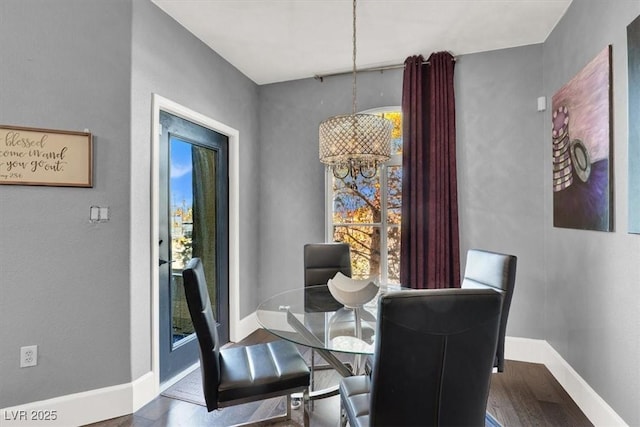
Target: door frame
<point>160,103</point>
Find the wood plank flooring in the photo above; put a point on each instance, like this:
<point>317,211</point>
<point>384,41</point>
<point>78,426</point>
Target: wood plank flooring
<point>525,394</point>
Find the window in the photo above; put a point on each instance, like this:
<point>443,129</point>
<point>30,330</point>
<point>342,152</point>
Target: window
<point>366,213</point>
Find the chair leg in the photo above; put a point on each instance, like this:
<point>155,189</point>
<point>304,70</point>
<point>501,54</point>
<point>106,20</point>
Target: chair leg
<point>343,415</point>
<point>305,406</point>
<point>313,368</point>
<point>288,407</point>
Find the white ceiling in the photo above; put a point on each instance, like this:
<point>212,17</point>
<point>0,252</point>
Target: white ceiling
<point>279,40</point>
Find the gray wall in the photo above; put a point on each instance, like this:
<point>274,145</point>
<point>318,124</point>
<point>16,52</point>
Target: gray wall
<point>80,289</point>
<point>576,289</point>
<point>65,282</point>
<point>593,285</point>
<point>169,61</point>
<point>501,208</point>
<point>501,150</point>
<point>292,210</point>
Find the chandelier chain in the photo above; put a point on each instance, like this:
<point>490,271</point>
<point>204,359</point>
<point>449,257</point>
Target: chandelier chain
<point>354,59</point>
<point>354,144</point>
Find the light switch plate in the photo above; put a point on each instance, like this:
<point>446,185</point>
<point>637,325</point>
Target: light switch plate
<point>542,103</point>
<point>104,214</point>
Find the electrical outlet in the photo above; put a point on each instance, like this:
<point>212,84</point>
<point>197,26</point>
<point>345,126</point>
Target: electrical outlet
<point>28,356</point>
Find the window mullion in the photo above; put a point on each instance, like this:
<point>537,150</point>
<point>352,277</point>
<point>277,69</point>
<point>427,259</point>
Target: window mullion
<point>357,224</point>
<point>329,226</point>
<point>384,258</point>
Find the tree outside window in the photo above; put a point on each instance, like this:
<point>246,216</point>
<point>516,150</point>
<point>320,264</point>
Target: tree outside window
<point>366,213</point>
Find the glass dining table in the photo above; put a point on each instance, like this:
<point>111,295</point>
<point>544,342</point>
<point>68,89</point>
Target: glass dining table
<point>310,316</point>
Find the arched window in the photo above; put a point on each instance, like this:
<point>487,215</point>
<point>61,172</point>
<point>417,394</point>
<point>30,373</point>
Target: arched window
<point>366,213</point>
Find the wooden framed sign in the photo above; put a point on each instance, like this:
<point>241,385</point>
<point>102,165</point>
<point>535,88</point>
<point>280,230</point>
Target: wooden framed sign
<point>30,156</point>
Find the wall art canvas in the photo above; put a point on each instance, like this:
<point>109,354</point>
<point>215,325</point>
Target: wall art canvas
<point>581,148</point>
<point>30,156</point>
<point>633,54</point>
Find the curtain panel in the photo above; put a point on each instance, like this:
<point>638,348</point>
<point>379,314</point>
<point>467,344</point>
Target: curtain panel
<point>430,248</point>
<point>204,214</point>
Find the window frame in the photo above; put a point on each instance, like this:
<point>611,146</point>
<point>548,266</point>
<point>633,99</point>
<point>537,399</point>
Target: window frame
<point>395,160</point>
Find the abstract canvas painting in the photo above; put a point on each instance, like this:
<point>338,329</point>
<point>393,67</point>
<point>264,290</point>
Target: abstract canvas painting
<point>633,50</point>
<point>581,148</point>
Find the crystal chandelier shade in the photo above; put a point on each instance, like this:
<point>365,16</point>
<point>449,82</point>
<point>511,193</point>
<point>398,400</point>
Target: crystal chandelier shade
<point>355,143</point>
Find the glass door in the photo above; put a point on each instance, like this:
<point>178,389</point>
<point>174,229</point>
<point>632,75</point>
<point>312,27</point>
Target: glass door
<point>193,223</point>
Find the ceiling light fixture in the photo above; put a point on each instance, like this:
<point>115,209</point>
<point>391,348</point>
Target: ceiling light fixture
<point>355,143</point>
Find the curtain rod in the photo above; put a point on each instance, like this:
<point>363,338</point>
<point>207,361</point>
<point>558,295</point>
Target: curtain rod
<point>363,70</point>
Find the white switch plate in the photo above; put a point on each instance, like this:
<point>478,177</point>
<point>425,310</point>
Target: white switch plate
<point>542,103</point>
<point>104,214</point>
<point>98,214</point>
<point>94,213</point>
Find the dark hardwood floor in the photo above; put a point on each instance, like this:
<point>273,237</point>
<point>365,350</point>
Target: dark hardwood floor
<point>525,394</point>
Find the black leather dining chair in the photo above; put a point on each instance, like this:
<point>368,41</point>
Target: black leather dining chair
<point>486,269</point>
<point>323,260</point>
<point>433,361</point>
<point>240,374</point>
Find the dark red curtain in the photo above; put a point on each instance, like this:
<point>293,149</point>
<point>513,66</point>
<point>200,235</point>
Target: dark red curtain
<point>430,248</point>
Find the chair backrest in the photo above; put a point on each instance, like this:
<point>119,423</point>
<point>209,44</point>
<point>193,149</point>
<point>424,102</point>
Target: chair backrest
<point>205,325</point>
<point>434,357</point>
<point>323,260</point>
<point>497,271</point>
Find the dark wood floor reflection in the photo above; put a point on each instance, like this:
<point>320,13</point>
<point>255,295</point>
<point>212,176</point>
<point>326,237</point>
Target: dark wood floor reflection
<point>525,394</point>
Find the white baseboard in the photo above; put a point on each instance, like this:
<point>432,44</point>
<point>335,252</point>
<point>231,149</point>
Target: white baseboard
<point>540,351</point>
<point>83,408</point>
<point>245,327</point>
<point>110,402</point>
<point>72,410</point>
<point>144,390</point>
<point>97,405</point>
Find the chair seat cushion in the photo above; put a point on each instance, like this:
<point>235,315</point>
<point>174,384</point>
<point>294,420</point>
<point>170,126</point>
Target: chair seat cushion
<point>354,395</point>
<point>261,369</point>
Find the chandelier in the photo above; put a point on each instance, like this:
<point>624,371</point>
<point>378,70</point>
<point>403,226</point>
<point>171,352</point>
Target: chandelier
<point>355,143</point>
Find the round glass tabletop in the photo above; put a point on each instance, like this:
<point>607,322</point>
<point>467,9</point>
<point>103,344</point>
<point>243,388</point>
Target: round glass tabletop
<point>311,317</point>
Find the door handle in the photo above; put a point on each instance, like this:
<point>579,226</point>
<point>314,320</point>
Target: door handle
<point>161,261</point>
